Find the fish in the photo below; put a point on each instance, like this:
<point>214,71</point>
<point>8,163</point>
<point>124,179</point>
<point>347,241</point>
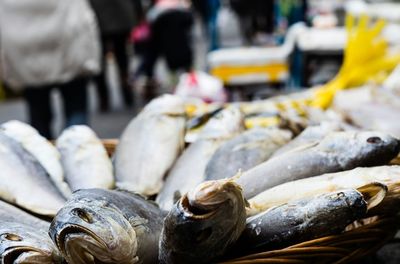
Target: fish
<point>303,220</point>
<point>22,243</point>
<point>150,145</point>
<point>309,136</point>
<point>304,188</point>
<point>43,150</point>
<point>245,151</point>
<point>85,160</point>
<point>204,223</point>
<point>23,237</point>
<point>189,169</point>
<point>10,213</point>
<point>338,151</point>
<point>107,226</point>
<point>24,182</point>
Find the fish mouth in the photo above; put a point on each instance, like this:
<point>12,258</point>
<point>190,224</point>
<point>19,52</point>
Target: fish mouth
<point>205,200</point>
<point>192,211</point>
<point>77,252</point>
<point>25,254</point>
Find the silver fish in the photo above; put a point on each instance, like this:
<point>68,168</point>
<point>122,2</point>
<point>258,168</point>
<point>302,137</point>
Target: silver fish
<point>24,182</point>
<point>204,223</point>
<point>338,151</point>
<point>303,220</point>
<point>23,238</point>
<point>10,213</point>
<point>304,188</point>
<point>84,158</point>
<point>103,226</point>
<point>22,243</point>
<point>45,152</point>
<point>310,135</point>
<point>149,145</point>
<point>245,151</point>
<point>189,169</point>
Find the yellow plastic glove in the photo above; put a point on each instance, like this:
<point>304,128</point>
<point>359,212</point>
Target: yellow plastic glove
<point>365,58</point>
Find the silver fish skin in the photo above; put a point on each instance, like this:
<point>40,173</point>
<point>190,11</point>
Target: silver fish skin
<point>310,135</point>
<point>150,145</point>
<point>203,224</point>
<point>104,226</point>
<point>24,182</point>
<point>303,220</point>
<point>10,213</point>
<point>45,152</point>
<point>85,161</point>
<point>338,151</point>
<point>318,185</point>
<point>245,151</point>
<point>189,169</point>
<point>23,243</point>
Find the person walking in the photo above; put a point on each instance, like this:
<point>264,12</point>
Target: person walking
<point>46,44</point>
<point>116,19</point>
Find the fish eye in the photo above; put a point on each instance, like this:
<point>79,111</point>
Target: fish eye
<point>203,234</point>
<point>11,237</point>
<point>83,215</point>
<point>374,140</point>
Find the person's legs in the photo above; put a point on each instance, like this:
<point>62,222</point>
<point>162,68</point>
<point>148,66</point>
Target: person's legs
<point>121,56</point>
<point>101,81</point>
<point>39,109</point>
<point>74,94</point>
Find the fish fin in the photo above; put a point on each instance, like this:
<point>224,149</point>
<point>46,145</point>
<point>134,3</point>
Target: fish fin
<point>373,193</point>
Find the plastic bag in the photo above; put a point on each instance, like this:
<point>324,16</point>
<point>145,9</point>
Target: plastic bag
<point>201,85</point>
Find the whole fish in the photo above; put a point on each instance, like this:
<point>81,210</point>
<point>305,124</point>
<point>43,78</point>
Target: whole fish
<point>22,243</point>
<point>24,238</point>
<point>338,151</point>
<point>104,226</point>
<point>84,158</point>
<point>45,152</point>
<point>204,223</point>
<point>149,145</point>
<point>245,151</point>
<point>24,182</point>
<point>303,220</point>
<point>189,169</point>
<point>311,134</point>
<point>295,190</point>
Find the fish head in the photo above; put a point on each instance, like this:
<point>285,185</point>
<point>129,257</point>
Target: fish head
<point>225,124</point>
<point>204,222</point>
<point>167,104</point>
<point>365,148</point>
<point>24,244</point>
<point>92,230</point>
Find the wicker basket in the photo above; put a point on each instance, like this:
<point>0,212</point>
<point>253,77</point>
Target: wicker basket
<point>346,247</point>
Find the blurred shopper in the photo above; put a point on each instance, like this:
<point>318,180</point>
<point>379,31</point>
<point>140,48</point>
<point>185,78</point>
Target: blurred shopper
<point>116,19</point>
<point>46,44</point>
<point>171,23</point>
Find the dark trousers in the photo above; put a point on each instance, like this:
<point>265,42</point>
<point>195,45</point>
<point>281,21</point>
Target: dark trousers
<point>119,48</point>
<point>74,94</point>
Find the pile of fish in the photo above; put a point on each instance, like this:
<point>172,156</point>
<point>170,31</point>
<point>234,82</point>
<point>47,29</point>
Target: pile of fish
<point>232,192</point>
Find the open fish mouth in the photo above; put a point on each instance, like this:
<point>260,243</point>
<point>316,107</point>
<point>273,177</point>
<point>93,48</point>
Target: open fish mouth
<point>21,254</point>
<point>194,212</point>
<point>80,245</point>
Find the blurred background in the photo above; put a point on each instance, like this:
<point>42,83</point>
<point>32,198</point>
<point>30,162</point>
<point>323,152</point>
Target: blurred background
<point>100,61</point>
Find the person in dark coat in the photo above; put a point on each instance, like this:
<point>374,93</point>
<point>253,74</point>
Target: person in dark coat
<point>116,19</point>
